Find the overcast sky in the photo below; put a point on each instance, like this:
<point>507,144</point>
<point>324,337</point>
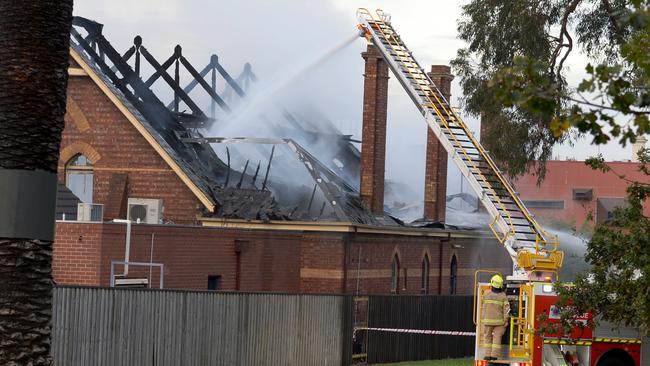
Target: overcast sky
<point>279,37</point>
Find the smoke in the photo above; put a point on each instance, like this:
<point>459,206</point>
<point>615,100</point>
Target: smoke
<point>278,37</point>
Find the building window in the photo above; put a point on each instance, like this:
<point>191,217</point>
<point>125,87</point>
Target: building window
<point>453,275</point>
<point>214,283</point>
<point>552,204</point>
<point>79,177</point>
<point>394,277</point>
<point>425,275</point>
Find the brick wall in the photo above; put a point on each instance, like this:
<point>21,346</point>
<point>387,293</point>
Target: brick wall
<point>276,261</point>
<point>76,253</point>
<point>268,262</point>
<point>373,146</point>
<point>94,126</point>
<point>361,263</point>
<point>435,185</point>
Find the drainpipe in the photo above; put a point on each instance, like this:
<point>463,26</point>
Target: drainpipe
<point>442,241</point>
<point>346,253</point>
<point>127,244</point>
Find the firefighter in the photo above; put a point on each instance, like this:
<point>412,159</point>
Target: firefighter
<point>494,318</point>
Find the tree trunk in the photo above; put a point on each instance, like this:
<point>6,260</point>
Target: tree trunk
<point>34,41</point>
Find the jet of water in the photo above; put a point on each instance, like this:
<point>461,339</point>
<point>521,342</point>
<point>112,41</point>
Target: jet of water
<point>257,102</point>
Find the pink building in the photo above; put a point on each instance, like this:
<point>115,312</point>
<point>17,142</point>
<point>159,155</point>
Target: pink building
<point>571,190</point>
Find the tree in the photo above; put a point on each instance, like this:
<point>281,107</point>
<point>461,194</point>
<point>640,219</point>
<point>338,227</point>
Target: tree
<point>34,41</point>
<point>521,48</point>
<point>513,72</point>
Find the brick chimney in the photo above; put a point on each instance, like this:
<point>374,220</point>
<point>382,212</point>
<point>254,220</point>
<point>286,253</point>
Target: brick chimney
<point>373,145</point>
<point>435,183</point>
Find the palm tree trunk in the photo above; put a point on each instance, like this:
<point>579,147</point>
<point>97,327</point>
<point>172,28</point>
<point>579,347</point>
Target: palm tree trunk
<point>34,41</point>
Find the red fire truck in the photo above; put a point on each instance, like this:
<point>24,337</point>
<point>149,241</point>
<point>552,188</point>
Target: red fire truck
<point>535,254</point>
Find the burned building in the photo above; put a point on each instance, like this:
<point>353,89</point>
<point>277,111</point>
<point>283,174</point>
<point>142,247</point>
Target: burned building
<point>253,213</point>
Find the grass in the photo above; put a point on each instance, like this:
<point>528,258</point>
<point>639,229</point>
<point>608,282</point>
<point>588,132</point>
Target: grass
<point>455,362</point>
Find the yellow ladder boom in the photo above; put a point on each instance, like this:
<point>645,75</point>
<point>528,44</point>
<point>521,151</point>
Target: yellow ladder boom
<point>529,245</point>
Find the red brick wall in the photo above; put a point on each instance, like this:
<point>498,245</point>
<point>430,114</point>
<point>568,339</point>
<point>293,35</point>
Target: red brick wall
<point>435,185</point>
<point>269,262</point>
<point>563,176</point>
<point>377,254</point>
<point>330,262</point>
<point>276,261</point>
<point>121,150</point>
<point>373,146</point>
<point>76,253</point>
<point>322,262</point>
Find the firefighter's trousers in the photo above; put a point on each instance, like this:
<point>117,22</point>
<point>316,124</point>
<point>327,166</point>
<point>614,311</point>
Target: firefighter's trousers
<point>491,340</point>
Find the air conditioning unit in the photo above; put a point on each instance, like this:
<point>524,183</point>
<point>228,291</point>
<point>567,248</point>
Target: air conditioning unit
<point>92,212</point>
<point>145,210</point>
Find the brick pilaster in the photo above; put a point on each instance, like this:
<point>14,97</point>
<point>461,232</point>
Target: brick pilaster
<point>435,185</point>
<point>373,146</point>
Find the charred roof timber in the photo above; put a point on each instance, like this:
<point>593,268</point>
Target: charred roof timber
<point>178,132</point>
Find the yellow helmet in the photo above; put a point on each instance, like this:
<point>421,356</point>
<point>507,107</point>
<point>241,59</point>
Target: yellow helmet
<point>496,281</point>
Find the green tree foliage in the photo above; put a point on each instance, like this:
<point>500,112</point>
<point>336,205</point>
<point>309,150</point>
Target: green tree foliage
<point>618,285</point>
<point>513,73</point>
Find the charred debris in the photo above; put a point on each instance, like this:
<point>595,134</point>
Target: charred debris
<point>199,98</point>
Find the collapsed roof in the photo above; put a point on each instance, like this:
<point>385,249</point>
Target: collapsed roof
<point>328,193</point>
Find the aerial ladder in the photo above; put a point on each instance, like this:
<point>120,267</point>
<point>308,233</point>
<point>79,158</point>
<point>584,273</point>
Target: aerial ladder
<point>534,252</point>
<point>531,248</point>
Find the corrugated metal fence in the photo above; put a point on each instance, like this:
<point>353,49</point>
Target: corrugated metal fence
<point>93,326</point>
<point>419,312</point>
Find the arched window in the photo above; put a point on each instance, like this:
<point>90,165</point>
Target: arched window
<point>394,277</point>
<point>453,275</point>
<point>79,177</point>
<point>425,275</point>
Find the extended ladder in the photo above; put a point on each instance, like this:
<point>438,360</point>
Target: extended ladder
<point>530,247</point>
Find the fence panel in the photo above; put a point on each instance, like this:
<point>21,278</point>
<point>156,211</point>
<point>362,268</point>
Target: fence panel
<point>418,312</point>
<point>93,326</point>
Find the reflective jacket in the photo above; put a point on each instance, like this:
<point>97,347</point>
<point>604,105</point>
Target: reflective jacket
<point>495,308</point>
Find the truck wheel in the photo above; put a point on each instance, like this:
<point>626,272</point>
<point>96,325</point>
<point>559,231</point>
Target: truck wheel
<point>610,361</point>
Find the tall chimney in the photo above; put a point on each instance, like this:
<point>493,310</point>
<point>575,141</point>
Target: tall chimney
<point>373,145</point>
<point>435,183</point>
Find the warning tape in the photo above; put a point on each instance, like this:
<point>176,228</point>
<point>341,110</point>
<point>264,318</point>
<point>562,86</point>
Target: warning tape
<point>420,331</point>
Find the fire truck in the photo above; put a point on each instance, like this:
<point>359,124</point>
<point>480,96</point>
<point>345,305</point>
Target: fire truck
<point>535,254</point>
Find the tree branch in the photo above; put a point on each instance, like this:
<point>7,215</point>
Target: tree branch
<point>600,106</point>
<point>564,32</point>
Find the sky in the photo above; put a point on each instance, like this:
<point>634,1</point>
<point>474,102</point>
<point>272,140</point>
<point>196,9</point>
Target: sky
<point>280,37</point>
